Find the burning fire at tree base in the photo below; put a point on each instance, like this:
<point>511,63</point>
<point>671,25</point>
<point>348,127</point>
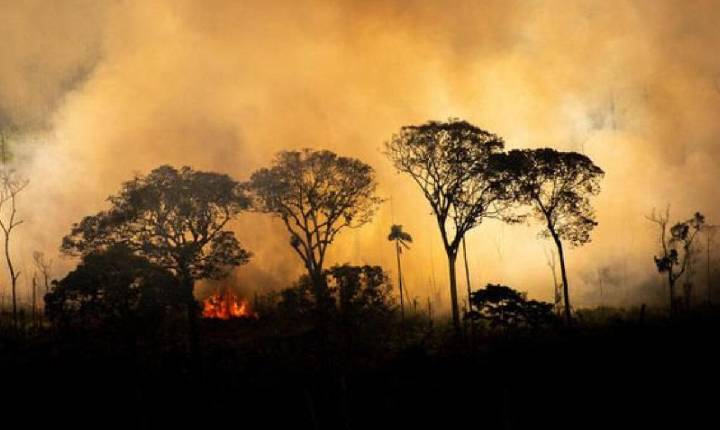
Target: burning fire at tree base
<point>226,305</point>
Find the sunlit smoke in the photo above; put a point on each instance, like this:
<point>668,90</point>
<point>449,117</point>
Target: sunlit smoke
<point>98,91</point>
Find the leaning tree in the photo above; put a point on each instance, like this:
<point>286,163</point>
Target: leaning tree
<point>451,163</point>
<point>176,218</point>
<point>557,187</point>
<point>316,194</point>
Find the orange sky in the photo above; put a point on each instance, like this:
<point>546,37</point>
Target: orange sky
<point>100,90</point>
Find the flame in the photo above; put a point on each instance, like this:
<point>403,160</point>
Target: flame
<point>226,305</point>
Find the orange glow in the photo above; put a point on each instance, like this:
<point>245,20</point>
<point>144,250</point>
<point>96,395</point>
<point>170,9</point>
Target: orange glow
<point>634,85</point>
<point>226,305</point>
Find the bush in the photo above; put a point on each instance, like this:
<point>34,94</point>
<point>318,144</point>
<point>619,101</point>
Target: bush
<point>113,289</point>
<point>506,308</point>
<point>358,294</point>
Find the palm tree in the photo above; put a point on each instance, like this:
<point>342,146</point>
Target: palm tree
<point>401,240</point>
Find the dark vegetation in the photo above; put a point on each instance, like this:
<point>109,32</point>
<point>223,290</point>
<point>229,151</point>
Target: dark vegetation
<point>122,342</point>
<point>610,369</point>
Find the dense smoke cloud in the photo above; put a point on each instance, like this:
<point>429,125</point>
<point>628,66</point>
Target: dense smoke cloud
<point>48,49</point>
<point>99,92</point>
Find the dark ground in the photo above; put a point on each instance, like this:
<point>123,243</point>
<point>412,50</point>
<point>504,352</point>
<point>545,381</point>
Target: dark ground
<point>618,374</point>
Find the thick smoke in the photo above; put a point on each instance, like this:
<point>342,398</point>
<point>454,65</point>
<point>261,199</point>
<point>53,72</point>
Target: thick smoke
<point>97,93</point>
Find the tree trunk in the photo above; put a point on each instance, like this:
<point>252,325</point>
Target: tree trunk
<point>400,282</point>
<point>467,274</point>
<point>452,256</point>
<point>34,302</point>
<point>193,325</point>
<point>671,288</point>
<point>709,282</point>
<point>566,293</point>
<point>320,288</point>
<point>13,279</point>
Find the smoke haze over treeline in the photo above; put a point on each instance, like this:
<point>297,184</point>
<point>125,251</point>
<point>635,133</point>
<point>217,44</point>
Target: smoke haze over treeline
<point>94,92</point>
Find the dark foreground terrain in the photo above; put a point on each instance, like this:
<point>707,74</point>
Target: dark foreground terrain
<point>612,372</point>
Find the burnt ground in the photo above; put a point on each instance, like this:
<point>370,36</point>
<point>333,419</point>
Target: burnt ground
<point>257,374</point>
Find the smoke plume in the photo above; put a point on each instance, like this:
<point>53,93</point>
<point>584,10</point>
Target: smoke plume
<point>93,92</point>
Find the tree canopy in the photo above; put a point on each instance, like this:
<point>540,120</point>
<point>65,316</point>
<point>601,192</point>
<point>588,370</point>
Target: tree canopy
<point>113,289</point>
<point>450,162</point>
<point>316,194</point>
<point>176,218</point>
<point>557,187</point>
<point>504,307</point>
<point>397,234</point>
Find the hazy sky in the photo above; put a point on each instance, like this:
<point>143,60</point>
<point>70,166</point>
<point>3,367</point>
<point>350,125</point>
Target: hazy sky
<point>97,91</point>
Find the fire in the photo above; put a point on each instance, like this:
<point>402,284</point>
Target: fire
<point>226,305</point>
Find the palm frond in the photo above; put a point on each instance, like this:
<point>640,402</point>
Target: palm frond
<point>402,237</point>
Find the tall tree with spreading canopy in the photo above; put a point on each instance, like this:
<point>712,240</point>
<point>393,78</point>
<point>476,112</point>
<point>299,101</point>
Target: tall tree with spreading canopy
<point>676,247</point>
<point>176,218</point>
<point>557,187</point>
<point>401,239</point>
<point>316,194</point>
<point>451,163</point>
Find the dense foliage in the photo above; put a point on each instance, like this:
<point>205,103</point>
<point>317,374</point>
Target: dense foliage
<point>178,219</point>
<point>357,295</point>
<point>113,289</point>
<point>505,308</point>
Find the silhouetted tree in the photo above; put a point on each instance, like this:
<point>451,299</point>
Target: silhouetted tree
<point>401,239</point>
<point>11,185</point>
<point>298,301</point>
<point>177,219</point>
<point>538,314</point>
<point>498,304</point>
<point>316,194</point>
<point>358,295</point>
<point>41,275</point>
<point>556,186</point>
<point>113,289</point>
<point>506,308</point>
<point>362,292</point>
<point>43,266</point>
<point>676,247</point>
<point>451,163</point>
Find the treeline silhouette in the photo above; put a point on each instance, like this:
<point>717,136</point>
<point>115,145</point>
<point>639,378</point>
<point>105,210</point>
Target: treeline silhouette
<point>178,219</point>
<point>122,341</point>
